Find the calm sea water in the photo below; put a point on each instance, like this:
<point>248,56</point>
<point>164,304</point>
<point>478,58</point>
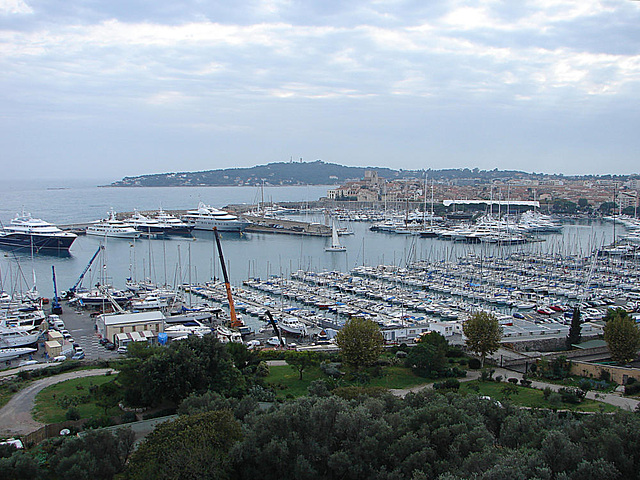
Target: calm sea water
<point>257,255</point>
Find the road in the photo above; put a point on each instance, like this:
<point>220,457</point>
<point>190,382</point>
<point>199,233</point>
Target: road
<point>15,416</point>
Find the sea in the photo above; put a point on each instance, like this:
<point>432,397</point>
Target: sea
<point>179,260</point>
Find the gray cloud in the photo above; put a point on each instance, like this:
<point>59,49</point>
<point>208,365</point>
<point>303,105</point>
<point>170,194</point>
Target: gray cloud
<point>160,86</point>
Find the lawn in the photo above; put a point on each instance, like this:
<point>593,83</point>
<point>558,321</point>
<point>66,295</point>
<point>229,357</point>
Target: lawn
<point>530,397</point>
<point>286,379</point>
<point>51,403</point>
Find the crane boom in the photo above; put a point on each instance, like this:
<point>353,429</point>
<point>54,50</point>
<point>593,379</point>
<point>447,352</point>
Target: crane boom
<point>275,328</point>
<point>56,308</point>
<point>86,269</point>
<point>232,311</point>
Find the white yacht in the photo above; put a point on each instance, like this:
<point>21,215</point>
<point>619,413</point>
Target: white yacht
<point>147,226</point>
<point>26,231</point>
<point>11,353</point>
<point>12,337</point>
<point>174,224</point>
<point>207,217</point>
<point>112,227</point>
<point>292,325</point>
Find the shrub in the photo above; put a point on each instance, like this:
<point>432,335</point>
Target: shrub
<point>512,380</point>
<point>572,395</point>
<point>98,422</point>
<point>555,400</point>
<point>631,381</point>
<point>474,364</point>
<point>546,393</point>
<point>128,417</point>
<point>498,378</point>
<point>455,352</point>
<point>448,384</point>
<point>331,369</point>
<point>525,383</point>
<point>605,375</point>
<point>72,414</point>
<point>319,388</point>
<point>487,375</point>
<point>632,388</point>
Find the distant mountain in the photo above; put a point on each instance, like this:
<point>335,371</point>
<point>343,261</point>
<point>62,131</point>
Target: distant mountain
<point>300,173</point>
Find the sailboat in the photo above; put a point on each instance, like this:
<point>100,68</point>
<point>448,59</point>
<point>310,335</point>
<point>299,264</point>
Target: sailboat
<point>335,242</point>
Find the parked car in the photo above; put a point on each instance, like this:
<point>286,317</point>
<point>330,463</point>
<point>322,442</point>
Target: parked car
<point>110,346</point>
<point>518,315</point>
<point>122,349</point>
<point>78,356</point>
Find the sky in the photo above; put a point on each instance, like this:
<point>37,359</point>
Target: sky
<point>114,88</point>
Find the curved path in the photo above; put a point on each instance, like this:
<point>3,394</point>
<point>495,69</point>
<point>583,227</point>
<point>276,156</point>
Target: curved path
<point>15,416</point>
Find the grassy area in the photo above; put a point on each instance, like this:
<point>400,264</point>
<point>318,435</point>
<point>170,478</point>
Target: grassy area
<point>51,403</point>
<point>286,380</point>
<point>530,397</point>
<point>10,388</point>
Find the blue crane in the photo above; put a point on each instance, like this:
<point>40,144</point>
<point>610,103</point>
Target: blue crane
<point>73,289</point>
<point>56,308</point>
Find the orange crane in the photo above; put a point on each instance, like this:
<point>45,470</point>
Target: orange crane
<point>232,311</point>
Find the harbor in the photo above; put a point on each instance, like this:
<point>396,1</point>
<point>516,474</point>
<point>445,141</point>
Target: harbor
<point>408,273</point>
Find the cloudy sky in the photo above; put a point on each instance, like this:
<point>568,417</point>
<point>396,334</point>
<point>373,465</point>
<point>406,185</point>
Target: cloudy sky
<point>109,88</point>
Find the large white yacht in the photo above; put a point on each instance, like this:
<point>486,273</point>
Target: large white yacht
<point>112,227</point>
<point>176,226</point>
<point>26,231</point>
<point>207,217</point>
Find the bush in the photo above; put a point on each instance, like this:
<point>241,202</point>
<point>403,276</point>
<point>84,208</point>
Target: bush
<point>98,422</point>
<point>572,395</point>
<point>546,393</point>
<point>555,400</point>
<point>605,375</point>
<point>319,388</point>
<point>498,378</point>
<point>632,388</point>
<point>128,417</point>
<point>474,364</point>
<point>512,380</point>
<point>455,352</point>
<point>448,384</point>
<point>72,414</point>
<point>525,383</point>
<point>631,381</point>
<point>331,369</point>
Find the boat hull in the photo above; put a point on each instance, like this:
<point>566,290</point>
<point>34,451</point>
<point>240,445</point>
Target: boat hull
<point>38,242</point>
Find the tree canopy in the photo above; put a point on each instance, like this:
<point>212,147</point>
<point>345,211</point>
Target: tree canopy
<point>483,334</point>
<point>623,338</point>
<point>360,342</point>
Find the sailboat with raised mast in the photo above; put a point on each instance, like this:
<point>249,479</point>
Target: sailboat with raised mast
<point>335,241</point>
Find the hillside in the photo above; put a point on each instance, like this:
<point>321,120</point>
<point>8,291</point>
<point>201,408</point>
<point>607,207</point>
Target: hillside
<point>299,173</point>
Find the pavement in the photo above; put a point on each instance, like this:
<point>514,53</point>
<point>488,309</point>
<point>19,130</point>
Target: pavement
<point>15,416</point>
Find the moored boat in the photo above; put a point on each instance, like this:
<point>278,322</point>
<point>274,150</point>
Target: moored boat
<point>24,231</point>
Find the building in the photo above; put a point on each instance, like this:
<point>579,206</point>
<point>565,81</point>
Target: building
<point>146,324</point>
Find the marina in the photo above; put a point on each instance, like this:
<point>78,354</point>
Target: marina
<point>418,277</point>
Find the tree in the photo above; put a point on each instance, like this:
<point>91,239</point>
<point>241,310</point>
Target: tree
<point>623,338</point>
<point>483,334</point>
<point>360,342</point>
<point>574,330</point>
<point>300,361</point>
<point>615,312</point>
<point>193,446</point>
<point>426,360</point>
